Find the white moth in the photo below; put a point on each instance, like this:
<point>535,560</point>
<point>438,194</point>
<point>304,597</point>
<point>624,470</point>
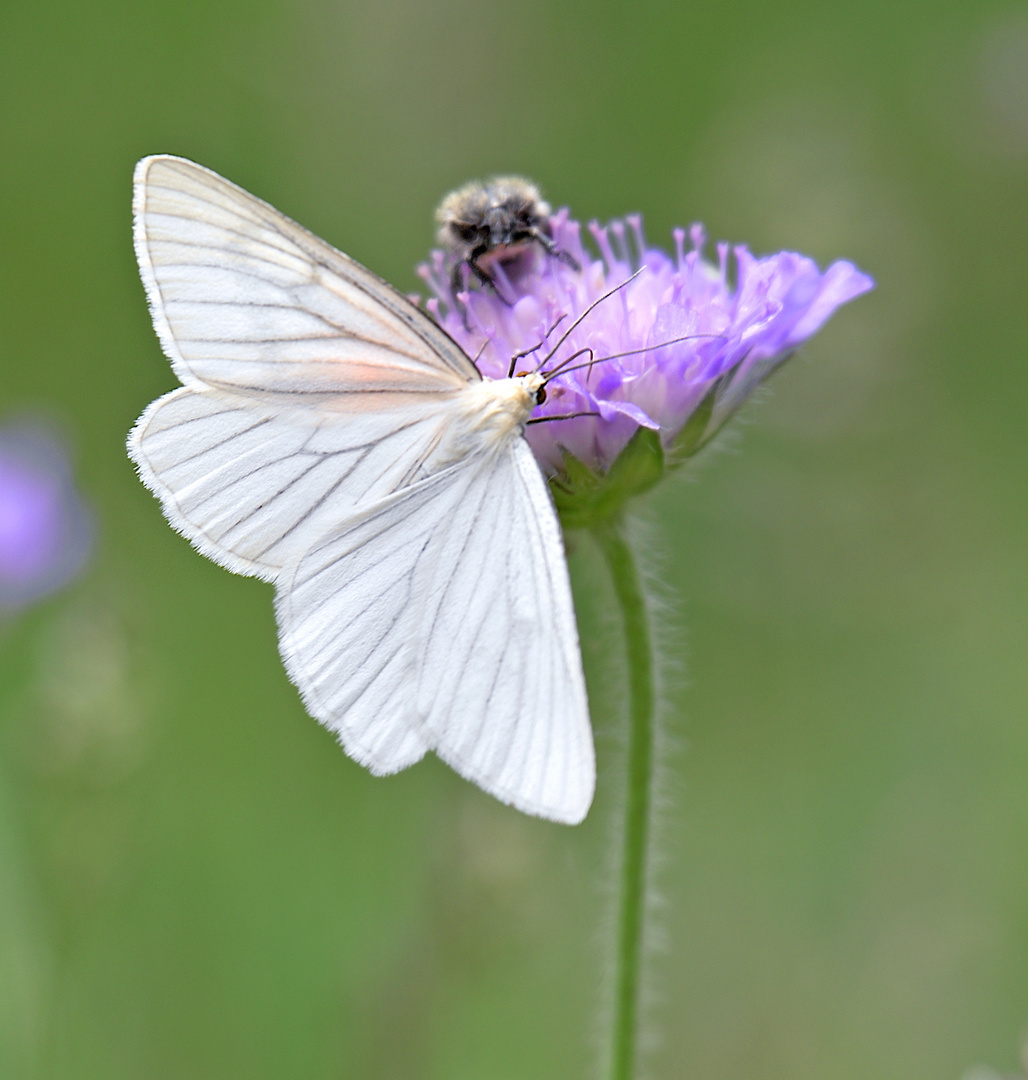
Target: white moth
<point>330,438</point>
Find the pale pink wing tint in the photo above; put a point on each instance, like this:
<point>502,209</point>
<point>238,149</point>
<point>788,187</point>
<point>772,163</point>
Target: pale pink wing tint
<point>246,300</point>
<point>312,387</point>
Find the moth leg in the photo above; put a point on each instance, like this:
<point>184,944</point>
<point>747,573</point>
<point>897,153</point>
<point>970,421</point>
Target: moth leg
<point>565,416</point>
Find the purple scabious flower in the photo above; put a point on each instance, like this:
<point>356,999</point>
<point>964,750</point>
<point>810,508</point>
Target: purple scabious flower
<point>697,341</point>
<point>45,528</point>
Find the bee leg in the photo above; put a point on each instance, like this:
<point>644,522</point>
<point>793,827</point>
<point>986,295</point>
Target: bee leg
<point>568,260</point>
<point>547,244</point>
<point>486,281</point>
<point>457,283</point>
<point>457,286</point>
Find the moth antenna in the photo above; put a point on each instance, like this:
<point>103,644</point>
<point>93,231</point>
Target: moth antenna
<point>562,366</point>
<point>562,369</point>
<point>549,356</point>
<point>526,352</point>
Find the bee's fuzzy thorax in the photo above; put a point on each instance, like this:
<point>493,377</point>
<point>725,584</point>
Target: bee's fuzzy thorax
<point>493,212</point>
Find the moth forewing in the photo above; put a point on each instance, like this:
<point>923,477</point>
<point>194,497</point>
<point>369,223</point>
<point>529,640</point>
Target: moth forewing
<point>330,437</point>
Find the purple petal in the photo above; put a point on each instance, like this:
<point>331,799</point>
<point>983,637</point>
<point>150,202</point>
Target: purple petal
<point>45,530</point>
<point>736,335</point>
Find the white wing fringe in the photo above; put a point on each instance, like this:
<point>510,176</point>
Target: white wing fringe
<point>422,604</point>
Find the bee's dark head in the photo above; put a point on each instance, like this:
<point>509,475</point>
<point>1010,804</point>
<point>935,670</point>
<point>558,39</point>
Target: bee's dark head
<point>516,219</point>
<point>488,217</point>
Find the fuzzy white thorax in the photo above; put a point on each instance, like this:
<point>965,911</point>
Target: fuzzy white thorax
<point>499,408</point>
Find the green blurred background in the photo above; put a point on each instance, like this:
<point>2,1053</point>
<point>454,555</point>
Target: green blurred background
<point>195,882</point>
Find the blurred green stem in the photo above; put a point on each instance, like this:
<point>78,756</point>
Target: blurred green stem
<point>635,855</point>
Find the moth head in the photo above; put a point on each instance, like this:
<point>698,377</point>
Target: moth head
<point>534,384</point>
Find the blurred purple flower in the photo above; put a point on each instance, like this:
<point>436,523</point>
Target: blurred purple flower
<point>736,334</point>
<point>45,528</point>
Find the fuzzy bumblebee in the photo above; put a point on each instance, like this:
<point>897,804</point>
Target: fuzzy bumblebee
<point>494,222</point>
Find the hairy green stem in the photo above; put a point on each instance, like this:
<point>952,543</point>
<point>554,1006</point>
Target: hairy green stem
<point>638,796</point>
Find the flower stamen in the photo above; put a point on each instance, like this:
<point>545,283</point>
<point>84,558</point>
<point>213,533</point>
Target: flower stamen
<point>753,311</point>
